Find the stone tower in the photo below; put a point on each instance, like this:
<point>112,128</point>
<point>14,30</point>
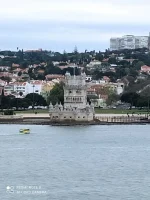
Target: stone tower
<point>75,106</point>
<point>75,91</point>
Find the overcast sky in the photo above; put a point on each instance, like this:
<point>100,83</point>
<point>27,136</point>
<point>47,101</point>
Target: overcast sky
<point>63,24</point>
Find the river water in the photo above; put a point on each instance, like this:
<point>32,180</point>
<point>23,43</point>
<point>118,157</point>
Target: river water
<point>75,163</point>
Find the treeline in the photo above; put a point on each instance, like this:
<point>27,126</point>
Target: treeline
<point>123,68</point>
<point>32,99</point>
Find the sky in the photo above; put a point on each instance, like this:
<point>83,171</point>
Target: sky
<point>60,25</point>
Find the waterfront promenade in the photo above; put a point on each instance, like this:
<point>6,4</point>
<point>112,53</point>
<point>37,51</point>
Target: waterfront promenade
<point>46,115</point>
<point>44,119</point>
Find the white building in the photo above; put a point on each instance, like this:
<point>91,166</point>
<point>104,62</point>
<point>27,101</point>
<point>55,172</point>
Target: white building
<point>75,106</point>
<point>141,42</point>
<point>88,78</point>
<point>114,43</point>
<point>9,89</point>
<point>99,103</point>
<point>94,64</point>
<point>129,42</point>
<point>35,87</point>
<point>24,88</point>
<point>5,68</point>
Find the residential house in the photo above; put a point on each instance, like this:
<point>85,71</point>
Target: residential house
<point>93,64</point>
<point>88,78</point>
<point>47,86</point>
<point>5,68</point>
<point>3,83</point>
<point>21,87</point>
<point>54,76</point>
<point>9,89</point>
<point>5,74</point>
<point>55,63</point>
<point>16,71</point>
<point>145,69</point>
<point>35,87</point>
<point>15,65</point>
<point>34,50</point>
<point>40,71</point>
<point>91,92</point>
<point>106,79</point>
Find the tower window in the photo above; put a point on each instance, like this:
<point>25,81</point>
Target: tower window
<point>70,91</point>
<point>78,92</point>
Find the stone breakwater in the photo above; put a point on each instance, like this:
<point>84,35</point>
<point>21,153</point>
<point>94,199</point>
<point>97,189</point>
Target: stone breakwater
<point>101,119</point>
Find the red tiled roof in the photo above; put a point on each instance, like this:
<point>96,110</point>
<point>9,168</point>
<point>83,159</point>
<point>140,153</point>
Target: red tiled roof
<point>53,76</point>
<point>20,83</point>
<point>15,65</point>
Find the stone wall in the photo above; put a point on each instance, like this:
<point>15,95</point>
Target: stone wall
<point>72,116</point>
<point>59,113</point>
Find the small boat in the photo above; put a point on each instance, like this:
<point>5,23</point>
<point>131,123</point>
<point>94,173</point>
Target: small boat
<point>24,131</point>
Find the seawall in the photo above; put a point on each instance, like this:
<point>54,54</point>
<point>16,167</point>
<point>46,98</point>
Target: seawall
<point>43,119</point>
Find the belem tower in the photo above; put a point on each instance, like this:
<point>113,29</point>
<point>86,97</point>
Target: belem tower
<point>76,107</point>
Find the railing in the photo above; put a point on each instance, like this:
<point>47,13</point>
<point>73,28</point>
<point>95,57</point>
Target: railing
<point>120,119</point>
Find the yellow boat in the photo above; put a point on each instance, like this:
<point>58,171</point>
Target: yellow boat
<point>24,131</point>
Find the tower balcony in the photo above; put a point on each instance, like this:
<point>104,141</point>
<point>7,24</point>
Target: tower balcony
<point>75,87</point>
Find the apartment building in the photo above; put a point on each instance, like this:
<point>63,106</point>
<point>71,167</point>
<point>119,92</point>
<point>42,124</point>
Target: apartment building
<point>129,42</point>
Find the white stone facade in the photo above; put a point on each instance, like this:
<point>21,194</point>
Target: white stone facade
<point>75,106</point>
<point>75,91</point>
<point>59,113</point>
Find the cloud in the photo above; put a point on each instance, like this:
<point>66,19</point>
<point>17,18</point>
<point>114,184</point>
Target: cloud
<point>85,10</point>
<point>73,22</point>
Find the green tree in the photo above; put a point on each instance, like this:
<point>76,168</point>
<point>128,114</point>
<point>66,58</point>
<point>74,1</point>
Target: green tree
<point>6,78</point>
<point>36,99</point>
<point>133,72</point>
<point>142,102</point>
<point>56,94</point>
<point>130,97</point>
<point>51,69</point>
<point>24,64</point>
<point>19,73</point>
<point>112,98</point>
<point>20,103</point>
<point>138,65</point>
<point>6,102</point>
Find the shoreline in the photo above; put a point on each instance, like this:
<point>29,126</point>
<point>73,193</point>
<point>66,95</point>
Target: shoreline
<point>100,119</point>
<point>72,123</point>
